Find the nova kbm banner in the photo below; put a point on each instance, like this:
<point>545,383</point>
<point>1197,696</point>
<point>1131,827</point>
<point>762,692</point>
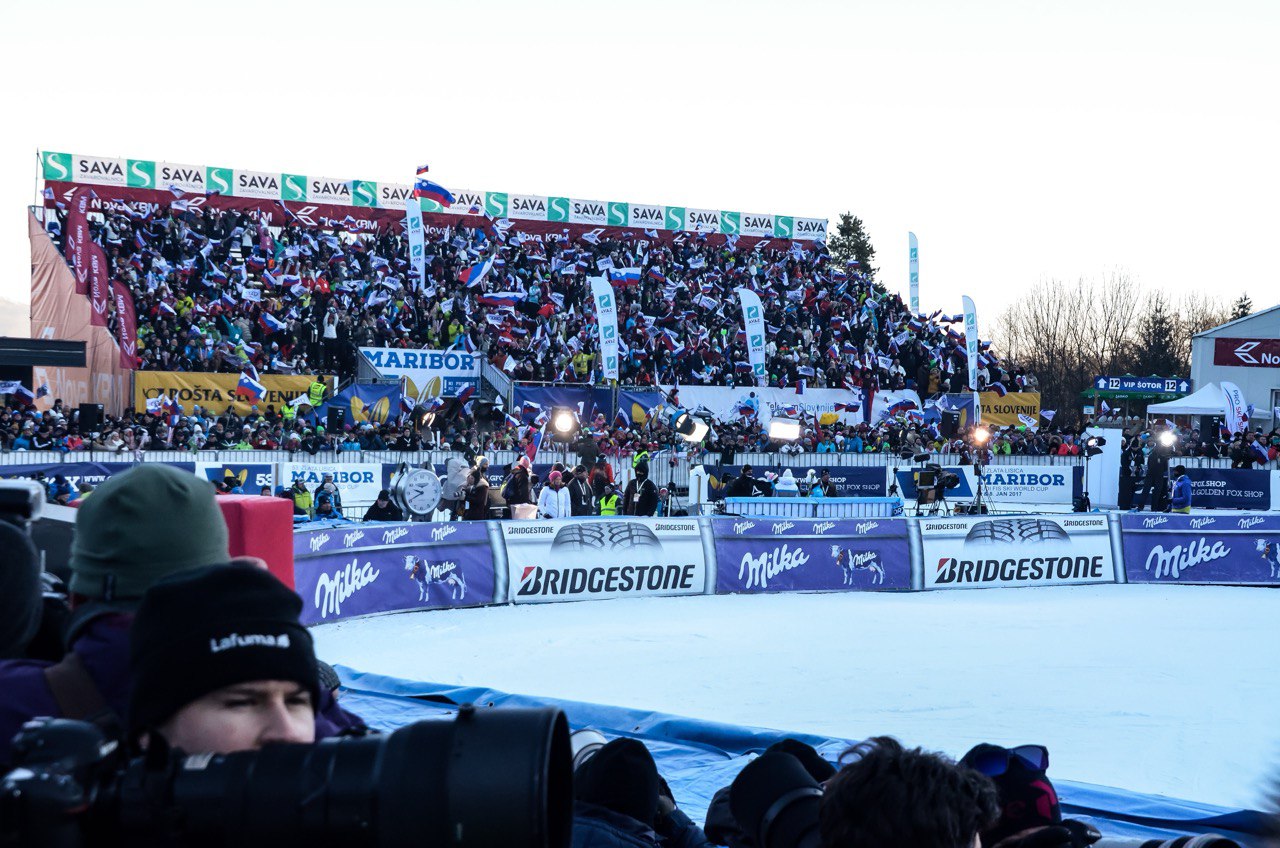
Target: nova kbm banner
<point>1235,549</point>
<point>429,373</point>
<point>360,569</point>
<point>582,559</point>
<point>217,392</point>
<point>796,555</point>
<point>976,552</point>
<point>606,325</point>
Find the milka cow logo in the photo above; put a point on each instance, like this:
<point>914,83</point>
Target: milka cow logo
<point>426,575</point>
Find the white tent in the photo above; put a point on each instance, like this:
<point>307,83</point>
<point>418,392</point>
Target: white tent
<point>1206,401</point>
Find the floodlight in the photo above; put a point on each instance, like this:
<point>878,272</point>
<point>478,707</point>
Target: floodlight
<point>981,435</point>
<point>1166,439</point>
<point>690,428</point>
<point>1095,442</point>
<point>784,429</point>
<point>564,423</point>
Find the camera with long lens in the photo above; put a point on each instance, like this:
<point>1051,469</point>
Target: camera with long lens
<point>775,801</point>
<point>496,778</point>
<point>1203,840</point>
<point>933,481</point>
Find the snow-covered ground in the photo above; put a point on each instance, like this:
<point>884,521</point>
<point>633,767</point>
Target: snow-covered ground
<point>1169,690</point>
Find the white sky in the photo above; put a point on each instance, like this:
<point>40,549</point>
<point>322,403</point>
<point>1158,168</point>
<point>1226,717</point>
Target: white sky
<point>1019,140</point>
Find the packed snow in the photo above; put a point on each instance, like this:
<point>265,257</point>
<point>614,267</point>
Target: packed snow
<point>1168,690</point>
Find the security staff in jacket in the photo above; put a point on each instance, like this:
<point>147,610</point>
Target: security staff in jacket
<point>316,393</point>
<point>302,499</point>
<point>641,496</point>
<point>609,500</point>
<point>580,496</point>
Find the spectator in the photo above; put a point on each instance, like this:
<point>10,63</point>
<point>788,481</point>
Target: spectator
<point>383,509</point>
<point>580,495</point>
<point>609,500</point>
<point>328,488</point>
<point>477,496</point>
<point>622,802</point>
<point>641,495</point>
<point>1181,490</point>
<point>555,501</point>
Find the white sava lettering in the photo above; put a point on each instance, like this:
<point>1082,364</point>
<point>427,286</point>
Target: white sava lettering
<point>758,570</point>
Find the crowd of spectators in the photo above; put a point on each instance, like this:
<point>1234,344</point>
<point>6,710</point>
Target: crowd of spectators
<point>218,291</point>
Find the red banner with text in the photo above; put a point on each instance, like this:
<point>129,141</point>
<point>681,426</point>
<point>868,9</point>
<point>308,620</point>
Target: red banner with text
<point>126,325</point>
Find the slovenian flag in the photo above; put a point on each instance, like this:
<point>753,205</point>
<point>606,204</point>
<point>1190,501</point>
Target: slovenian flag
<point>655,274</point>
<point>473,276</point>
<point>999,389</point>
<point>848,407</point>
<point>1259,451</point>
<point>250,388</point>
<point>625,277</point>
<point>422,169</point>
<point>271,323</point>
<point>465,394</point>
<point>432,191</point>
<point>139,241</point>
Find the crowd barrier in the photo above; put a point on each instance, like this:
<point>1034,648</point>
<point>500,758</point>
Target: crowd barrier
<point>344,570</point>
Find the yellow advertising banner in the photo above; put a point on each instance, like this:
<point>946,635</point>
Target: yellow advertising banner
<point>1004,411</point>
<point>217,392</point>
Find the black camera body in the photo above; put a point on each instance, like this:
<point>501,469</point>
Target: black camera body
<point>490,778</point>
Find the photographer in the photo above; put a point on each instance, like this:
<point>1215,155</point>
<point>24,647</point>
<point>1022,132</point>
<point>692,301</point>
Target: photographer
<point>220,663</point>
<point>641,495</point>
<point>622,802</point>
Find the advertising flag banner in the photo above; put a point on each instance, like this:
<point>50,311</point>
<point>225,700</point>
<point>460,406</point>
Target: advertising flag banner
<point>584,559</point>
<point>417,244</point>
<point>99,285</point>
<point>603,296</point>
<point>126,325</point>
<point>799,555</point>
<point>77,240</point>
<point>1236,411</point>
<point>753,323</point>
<point>913,266</point>
<point>361,569</point>
<point>978,552</point>
<point>1232,549</point>
<point>971,348</point>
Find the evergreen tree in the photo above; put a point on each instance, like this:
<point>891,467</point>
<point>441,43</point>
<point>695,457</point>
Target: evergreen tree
<point>851,242</point>
<point>1156,347</point>
<point>1242,308</point>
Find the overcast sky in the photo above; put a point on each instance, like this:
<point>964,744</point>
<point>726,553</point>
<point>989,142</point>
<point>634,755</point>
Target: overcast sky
<point>1019,140</point>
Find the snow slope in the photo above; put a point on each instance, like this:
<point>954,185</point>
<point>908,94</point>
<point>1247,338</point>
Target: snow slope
<point>1167,690</point>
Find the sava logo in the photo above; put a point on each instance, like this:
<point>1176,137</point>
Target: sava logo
<point>743,526</point>
<point>439,534</point>
<point>865,527</point>
<point>755,572</point>
<point>823,527</point>
<point>318,542</point>
<point>1179,558</point>
<point>351,538</point>
<point>333,590</point>
<point>1246,523</point>
<point>1200,523</point>
<point>390,536</point>
<point>782,527</point>
<point>249,640</point>
<point>1154,522</point>
<point>951,570</point>
<point>536,581</point>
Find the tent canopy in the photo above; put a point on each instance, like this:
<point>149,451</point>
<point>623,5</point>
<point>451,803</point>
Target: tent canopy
<point>1205,401</point>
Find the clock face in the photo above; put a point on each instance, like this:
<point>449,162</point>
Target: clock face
<point>421,491</point>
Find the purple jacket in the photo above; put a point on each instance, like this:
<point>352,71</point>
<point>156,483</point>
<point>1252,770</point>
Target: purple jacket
<point>103,646</point>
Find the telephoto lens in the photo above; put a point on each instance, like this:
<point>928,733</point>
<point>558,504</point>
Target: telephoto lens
<point>775,801</point>
<point>1202,840</point>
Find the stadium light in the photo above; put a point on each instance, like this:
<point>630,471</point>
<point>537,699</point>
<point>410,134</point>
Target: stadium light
<point>690,428</point>
<point>564,423</point>
<point>784,429</point>
<point>1166,439</point>
<point>980,436</point>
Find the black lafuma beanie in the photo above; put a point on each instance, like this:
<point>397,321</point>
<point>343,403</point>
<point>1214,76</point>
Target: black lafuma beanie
<point>622,777</point>
<point>201,630</point>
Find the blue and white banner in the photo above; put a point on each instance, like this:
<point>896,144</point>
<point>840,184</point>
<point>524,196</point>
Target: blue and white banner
<point>430,373</point>
<point>250,476</point>
<point>602,296</point>
<point>417,243</point>
<point>1231,488</point>
<point>753,323</point>
<point>971,350</point>
<point>1007,485</point>
<point>1232,549</point>
<point>371,403</point>
<point>913,266</point>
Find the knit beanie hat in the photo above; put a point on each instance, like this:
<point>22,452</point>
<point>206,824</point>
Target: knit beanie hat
<point>205,629</point>
<point>621,777</point>
<point>21,604</point>
<point>1027,798</point>
<point>139,526</point>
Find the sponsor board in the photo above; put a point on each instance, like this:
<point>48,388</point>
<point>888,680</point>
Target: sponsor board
<point>251,476</point>
<point>76,473</point>
<point>429,373</point>
<point>583,559</point>
<point>361,569</point>
<point>851,481</point>
<point>1000,411</point>
<point>1231,549</point>
<point>1247,353</point>
<point>216,392</point>
<point>798,554</point>
<point>1006,484</point>
<point>1230,488</point>
<point>358,482</point>
<point>973,552</point>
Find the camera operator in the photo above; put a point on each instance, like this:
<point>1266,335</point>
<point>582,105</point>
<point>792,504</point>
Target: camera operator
<point>722,828</point>
<point>1029,811</point>
<point>138,527</point>
<point>622,802</point>
<point>220,663</point>
<point>1156,485</point>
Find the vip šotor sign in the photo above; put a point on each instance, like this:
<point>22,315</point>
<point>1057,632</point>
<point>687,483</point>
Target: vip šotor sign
<point>1233,549</point>
<point>362,569</point>
<point>1143,385</point>
<point>358,482</point>
<point>797,555</point>
<point>583,559</point>
<point>430,373</point>
<point>973,552</point>
<point>1230,488</point>
<point>1247,353</point>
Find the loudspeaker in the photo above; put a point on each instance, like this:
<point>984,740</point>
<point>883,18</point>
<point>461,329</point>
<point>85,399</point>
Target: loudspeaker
<point>950,422</point>
<point>336,420</point>
<point>90,417</point>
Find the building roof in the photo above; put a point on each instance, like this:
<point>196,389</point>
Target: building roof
<point>1213,331</point>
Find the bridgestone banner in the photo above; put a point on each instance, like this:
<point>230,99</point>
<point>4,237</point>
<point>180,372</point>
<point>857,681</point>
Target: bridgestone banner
<point>585,559</point>
<point>978,552</point>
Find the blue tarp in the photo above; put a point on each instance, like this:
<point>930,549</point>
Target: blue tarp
<point>699,757</point>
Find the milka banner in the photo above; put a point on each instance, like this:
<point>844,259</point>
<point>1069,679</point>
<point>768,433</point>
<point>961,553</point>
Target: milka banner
<point>971,350</point>
<point>606,325</point>
<point>1236,411</point>
<point>352,570</point>
<point>753,323</point>
<point>806,555</point>
<point>736,404</point>
<point>913,265</point>
<point>417,244</point>
<point>1233,549</point>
